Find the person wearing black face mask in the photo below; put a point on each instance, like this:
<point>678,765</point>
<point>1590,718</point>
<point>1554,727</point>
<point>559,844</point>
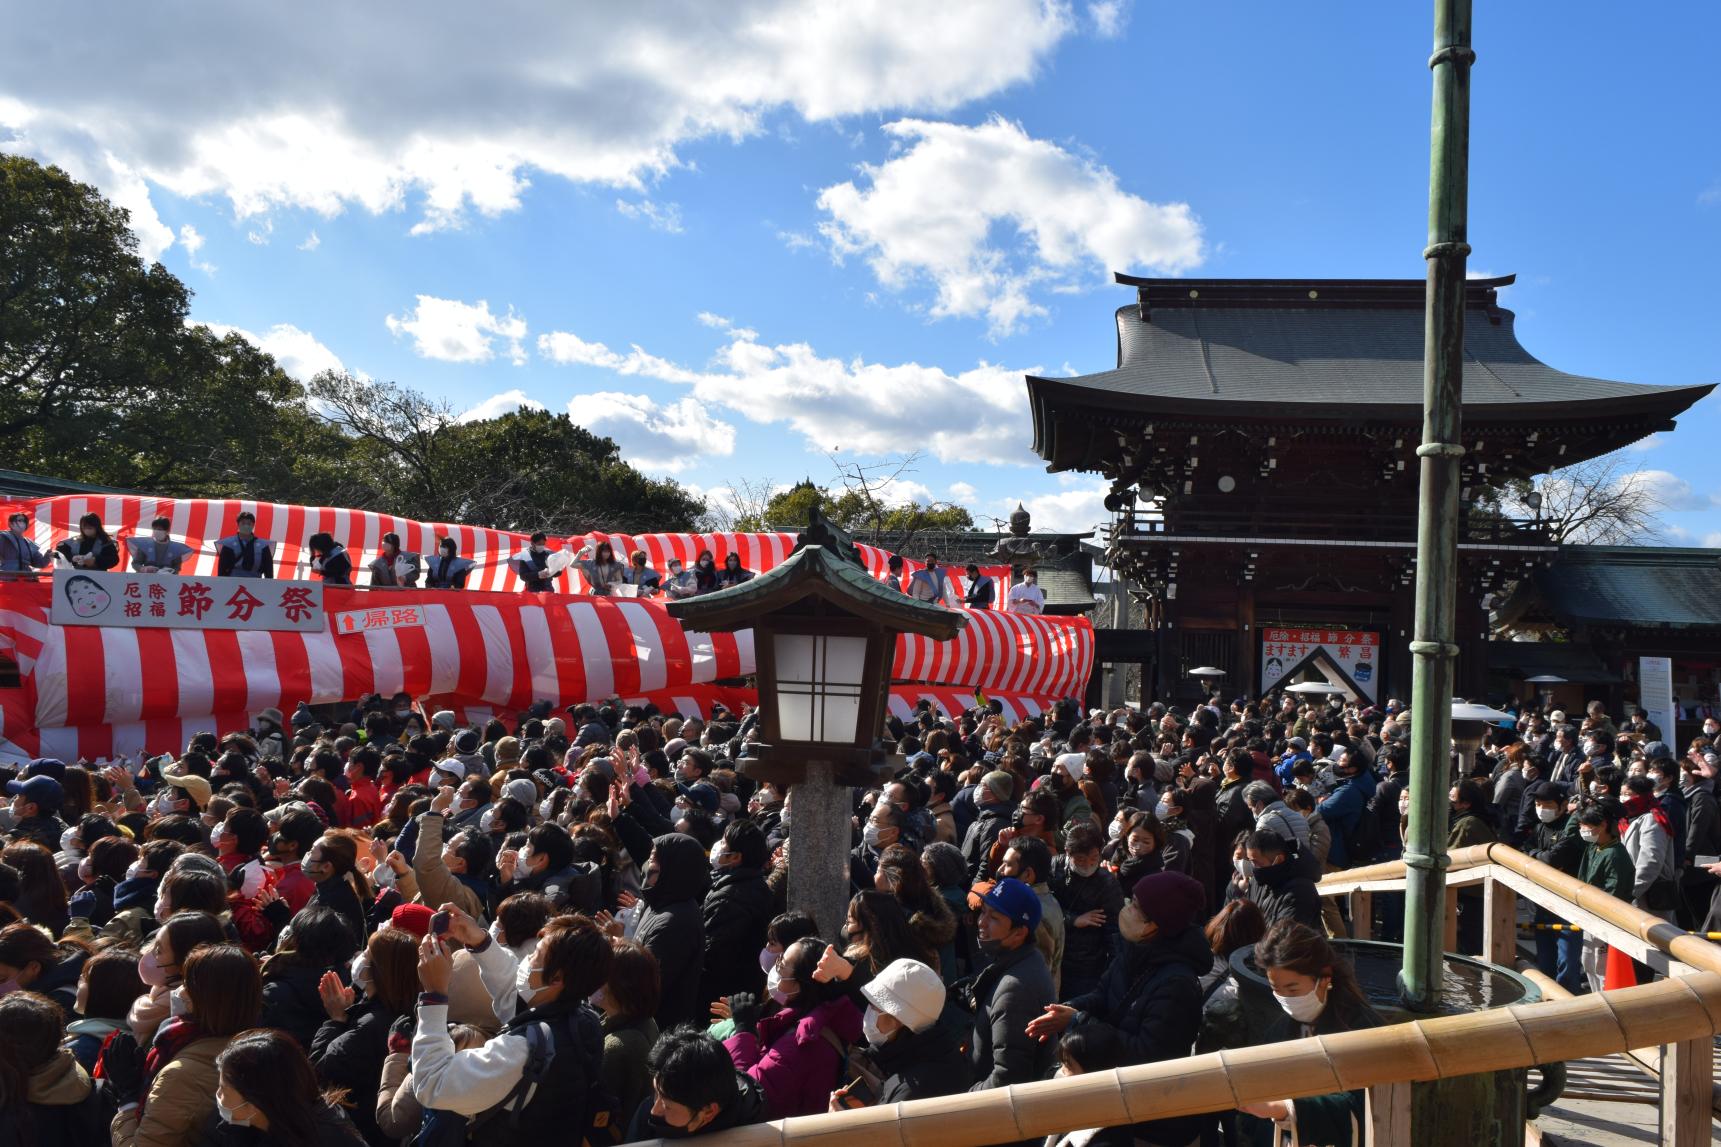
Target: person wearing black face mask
<point>447,570</point>
<point>1089,894</point>
<point>696,1090</point>
<point>672,928</point>
<point>1015,988</point>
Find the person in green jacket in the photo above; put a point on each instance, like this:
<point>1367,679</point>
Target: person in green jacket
<point>1606,865</point>
<point>1319,994</point>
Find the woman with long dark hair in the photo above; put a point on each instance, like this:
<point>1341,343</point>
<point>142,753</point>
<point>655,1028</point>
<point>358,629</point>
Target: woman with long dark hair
<point>333,866</point>
<point>42,900</point>
<point>321,941</point>
<point>352,1043</point>
<point>1318,992</point>
<point>176,1096</point>
<point>90,548</point>
<point>267,1094</point>
<point>46,1097</point>
<point>901,874</point>
<point>28,959</point>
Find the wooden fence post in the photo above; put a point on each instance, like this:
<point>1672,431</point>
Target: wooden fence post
<point>1687,1091</point>
<point>1388,1115</point>
<point>1362,915</point>
<point>1499,924</point>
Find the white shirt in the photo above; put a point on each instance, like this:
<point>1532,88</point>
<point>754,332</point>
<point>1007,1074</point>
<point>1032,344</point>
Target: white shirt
<point>1026,597</point>
<point>477,1079</point>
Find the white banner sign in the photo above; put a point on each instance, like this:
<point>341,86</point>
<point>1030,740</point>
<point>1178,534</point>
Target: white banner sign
<point>1655,694</point>
<point>167,601</point>
<point>383,617</point>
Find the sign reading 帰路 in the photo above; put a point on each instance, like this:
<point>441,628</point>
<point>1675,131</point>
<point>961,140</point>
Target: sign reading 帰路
<point>167,601</point>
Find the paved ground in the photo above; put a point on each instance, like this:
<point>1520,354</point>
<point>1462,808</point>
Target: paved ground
<point>1598,1108</point>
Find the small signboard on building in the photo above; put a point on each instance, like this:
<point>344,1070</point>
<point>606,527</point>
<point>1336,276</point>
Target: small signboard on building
<point>1343,656</point>
<point>171,601</point>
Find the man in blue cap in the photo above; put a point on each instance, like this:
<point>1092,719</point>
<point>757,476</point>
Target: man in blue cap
<point>36,810</point>
<point>1015,987</point>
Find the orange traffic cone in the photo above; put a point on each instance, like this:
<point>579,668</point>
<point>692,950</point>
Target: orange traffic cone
<point>1620,972</point>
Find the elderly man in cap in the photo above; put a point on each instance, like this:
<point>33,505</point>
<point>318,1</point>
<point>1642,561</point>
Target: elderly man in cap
<point>1014,989</point>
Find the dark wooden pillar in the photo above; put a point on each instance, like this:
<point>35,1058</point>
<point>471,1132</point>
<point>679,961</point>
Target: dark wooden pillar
<point>1471,679</point>
<point>1401,618</point>
<point>1246,682</point>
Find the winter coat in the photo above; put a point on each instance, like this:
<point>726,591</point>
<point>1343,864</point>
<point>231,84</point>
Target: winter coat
<point>350,1055</point>
<point>181,1099</point>
<point>1013,989</point>
<point>59,981</point>
<point>1608,868</point>
<point>437,885</point>
<point>1342,809</point>
<point>1290,824</point>
<point>1557,844</point>
<point>672,928</point>
<point>291,1001</point>
<point>1650,847</point>
<point>1336,1117</point>
<point>737,911</point>
<point>62,1108</point>
<point>921,1065</point>
<point>626,1049</point>
<point>1087,950</point>
<point>982,834</point>
<point>1467,829</point>
<point>1702,822</point>
<point>1231,816</point>
<point>1151,996</point>
<point>84,1038</point>
<point>793,1063</point>
<point>1285,892</point>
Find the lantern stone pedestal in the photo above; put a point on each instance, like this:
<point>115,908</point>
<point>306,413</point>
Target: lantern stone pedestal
<point>819,848</point>
<point>824,637</point>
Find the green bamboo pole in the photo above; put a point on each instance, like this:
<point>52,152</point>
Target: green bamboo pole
<point>1435,649</point>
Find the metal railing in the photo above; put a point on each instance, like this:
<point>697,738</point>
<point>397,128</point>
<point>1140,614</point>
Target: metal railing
<point>1680,1014</point>
<point>1297,523</point>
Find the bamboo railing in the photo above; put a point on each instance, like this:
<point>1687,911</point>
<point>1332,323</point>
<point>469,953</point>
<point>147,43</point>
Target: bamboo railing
<point>1684,1011</point>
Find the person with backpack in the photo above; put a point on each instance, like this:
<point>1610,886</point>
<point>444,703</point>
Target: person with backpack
<point>541,1078</point>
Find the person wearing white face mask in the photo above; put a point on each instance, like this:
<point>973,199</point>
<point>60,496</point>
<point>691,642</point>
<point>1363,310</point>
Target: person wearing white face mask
<point>737,912</point>
<point>1608,866</point>
<point>572,961</point>
<point>913,1056</point>
<point>157,552</point>
<point>351,1045</point>
<point>266,1084</point>
<point>1318,992</point>
<point>1089,894</point>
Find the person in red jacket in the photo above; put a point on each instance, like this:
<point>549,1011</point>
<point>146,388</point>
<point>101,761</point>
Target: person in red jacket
<point>364,799</point>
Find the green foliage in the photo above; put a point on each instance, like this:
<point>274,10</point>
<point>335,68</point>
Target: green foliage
<point>856,510</point>
<point>105,383</point>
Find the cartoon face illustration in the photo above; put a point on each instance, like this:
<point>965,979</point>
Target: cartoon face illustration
<point>86,596</point>
<point>1274,669</point>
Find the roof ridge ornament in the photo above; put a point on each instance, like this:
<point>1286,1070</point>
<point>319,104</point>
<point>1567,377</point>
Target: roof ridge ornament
<point>823,532</point>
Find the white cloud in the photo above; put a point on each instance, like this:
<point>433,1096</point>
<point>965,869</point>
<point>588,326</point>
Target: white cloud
<point>499,404</point>
<point>871,408</point>
<point>193,243</point>
<point>1109,17</point>
<point>1671,492</point>
<point>1644,445</point>
<point>963,492</point>
<point>452,331</point>
<point>991,217</point>
<point>1077,508</point>
<point>663,439</point>
<point>1710,195</point>
<point>259,235</point>
<point>295,351</point>
<point>454,108</point>
<point>658,216</point>
<point>311,242</point>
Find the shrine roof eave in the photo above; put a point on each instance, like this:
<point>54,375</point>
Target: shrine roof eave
<point>1065,409</point>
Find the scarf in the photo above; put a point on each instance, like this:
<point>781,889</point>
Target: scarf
<point>170,1039</point>
<point>1637,804</point>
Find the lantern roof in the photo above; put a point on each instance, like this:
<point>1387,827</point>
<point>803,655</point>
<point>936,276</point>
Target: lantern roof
<point>824,567</point>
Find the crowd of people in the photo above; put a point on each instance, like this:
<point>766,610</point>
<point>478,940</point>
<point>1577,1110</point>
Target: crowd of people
<point>373,926</point>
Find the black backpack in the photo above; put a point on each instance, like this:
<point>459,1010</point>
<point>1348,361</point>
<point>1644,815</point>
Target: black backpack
<point>605,1121</point>
<point>1363,841</point>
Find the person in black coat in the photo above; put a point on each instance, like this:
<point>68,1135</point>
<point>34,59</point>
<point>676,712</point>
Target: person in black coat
<point>90,548</point>
<point>1279,886</point>
<point>737,912</point>
<point>349,1048</point>
<point>995,797</point>
<point>1092,900</point>
<point>1151,994</point>
<point>329,558</point>
<point>917,1056</point>
<point>672,927</point>
<point>320,942</point>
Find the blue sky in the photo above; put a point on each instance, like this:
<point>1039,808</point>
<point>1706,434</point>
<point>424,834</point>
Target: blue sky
<point>736,236</point>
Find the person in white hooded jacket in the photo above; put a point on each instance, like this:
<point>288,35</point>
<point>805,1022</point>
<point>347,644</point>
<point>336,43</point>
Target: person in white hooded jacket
<point>487,1083</point>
